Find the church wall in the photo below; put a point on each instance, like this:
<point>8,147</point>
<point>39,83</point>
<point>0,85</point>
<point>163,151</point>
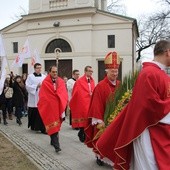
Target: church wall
<point>86,34</point>
<point>80,63</point>
<point>123,46</point>
<point>106,19</point>
<point>122,41</point>
<point>88,47</point>
<point>21,26</point>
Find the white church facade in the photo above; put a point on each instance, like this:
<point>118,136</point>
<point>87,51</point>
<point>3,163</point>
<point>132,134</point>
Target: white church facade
<point>83,31</point>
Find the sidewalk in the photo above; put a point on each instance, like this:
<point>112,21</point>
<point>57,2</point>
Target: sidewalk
<point>74,155</point>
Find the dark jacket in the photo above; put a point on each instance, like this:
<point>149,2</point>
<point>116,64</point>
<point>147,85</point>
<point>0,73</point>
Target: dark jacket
<point>2,98</point>
<point>19,95</point>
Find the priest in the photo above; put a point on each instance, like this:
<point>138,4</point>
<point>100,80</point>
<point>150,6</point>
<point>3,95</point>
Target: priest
<point>80,101</point>
<point>101,94</point>
<point>52,103</point>
<point>139,136</point>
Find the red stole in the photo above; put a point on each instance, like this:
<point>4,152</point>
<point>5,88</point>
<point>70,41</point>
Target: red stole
<point>150,102</point>
<point>52,103</point>
<point>80,101</point>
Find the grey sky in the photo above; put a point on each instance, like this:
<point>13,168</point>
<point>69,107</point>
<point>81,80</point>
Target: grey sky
<point>10,8</point>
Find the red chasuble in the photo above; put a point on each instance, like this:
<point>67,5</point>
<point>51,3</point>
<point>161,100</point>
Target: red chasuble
<point>80,101</point>
<point>97,108</point>
<point>150,103</point>
<point>52,103</point>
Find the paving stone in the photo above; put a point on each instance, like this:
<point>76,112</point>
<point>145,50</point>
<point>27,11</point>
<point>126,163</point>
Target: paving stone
<point>74,155</point>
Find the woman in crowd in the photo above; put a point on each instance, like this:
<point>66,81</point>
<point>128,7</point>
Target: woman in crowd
<point>19,97</point>
<point>8,91</point>
<point>2,107</point>
<point>25,108</point>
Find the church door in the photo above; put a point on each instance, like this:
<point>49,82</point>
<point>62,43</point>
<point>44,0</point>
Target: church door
<point>64,67</point>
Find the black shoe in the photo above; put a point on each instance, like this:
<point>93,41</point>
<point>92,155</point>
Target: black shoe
<point>75,128</point>
<point>43,132</point>
<point>19,122</point>
<point>57,149</point>
<point>99,162</point>
<point>5,122</point>
<point>32,128</point>
<point>81,137</point>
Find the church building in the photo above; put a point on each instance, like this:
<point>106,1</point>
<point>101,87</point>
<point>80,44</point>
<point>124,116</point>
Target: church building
<point>77,32</point>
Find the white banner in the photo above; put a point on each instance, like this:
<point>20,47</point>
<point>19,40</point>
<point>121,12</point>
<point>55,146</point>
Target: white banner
<point>3,72</point>
<point>3,64</point>
<point>25,51</point>
<point>2,49</point>
<point>35,58</point>
<point>19,59</point>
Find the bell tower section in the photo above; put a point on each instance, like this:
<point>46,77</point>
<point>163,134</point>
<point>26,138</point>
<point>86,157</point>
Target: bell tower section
<point>38,6</point>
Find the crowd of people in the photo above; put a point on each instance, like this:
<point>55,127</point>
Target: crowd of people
<point>138,138</point>
<point>13,100</point>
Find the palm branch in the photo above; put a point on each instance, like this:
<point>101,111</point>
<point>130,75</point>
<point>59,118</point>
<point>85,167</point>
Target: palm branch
<point>120,98</point>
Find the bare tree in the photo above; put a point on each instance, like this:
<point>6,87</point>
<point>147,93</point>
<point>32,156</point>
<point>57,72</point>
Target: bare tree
<point>154,28</point>
<point>166,2</point>
<point>116,6</point>
<point>165,13</point>
<point>21,11</point>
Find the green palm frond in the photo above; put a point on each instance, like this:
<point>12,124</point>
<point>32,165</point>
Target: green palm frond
<point>115,99</point>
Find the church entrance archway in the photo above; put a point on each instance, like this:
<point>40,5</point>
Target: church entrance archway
<point>64,65</point>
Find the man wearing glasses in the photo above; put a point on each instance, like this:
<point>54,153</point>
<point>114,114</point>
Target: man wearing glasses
<point>80,101</point>
<point>52,102</point>
<point>33,84</point>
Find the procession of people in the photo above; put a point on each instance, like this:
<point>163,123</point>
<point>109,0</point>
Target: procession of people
<point>137,138</point>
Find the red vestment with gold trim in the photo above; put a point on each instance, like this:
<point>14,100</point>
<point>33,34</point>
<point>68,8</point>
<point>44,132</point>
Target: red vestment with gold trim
<point>80,101</point>
<point>97,108</point>
<point>52,102</point>
<point>150,103</point>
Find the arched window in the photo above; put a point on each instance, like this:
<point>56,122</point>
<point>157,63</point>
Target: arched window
<point>58,43</point>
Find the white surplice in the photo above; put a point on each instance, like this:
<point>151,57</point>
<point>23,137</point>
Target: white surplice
<point>70,85</point>
<point>31,86</point>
